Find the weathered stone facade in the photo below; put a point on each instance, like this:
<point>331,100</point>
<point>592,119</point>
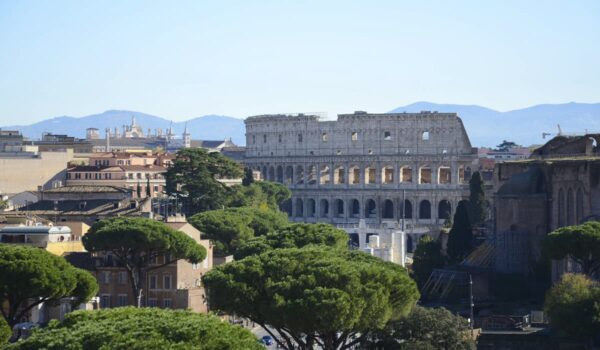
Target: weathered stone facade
<point>559,186</point>
<point>365,166</point>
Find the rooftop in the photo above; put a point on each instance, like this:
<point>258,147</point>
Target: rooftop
<point>88,189</point>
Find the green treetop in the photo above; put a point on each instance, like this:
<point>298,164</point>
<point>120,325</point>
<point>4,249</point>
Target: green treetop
<point>139,329</point>
<point>194,176</point>
<point>313,296</point>
<point>580,243</point>
<point>477,202</point>
<point>296,235</point>
<point>136,242</point>
<point>460,238</point>
<point>31,276</point>
<point>427,256</point>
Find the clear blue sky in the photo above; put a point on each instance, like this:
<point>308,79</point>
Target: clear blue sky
<point>183,59</point>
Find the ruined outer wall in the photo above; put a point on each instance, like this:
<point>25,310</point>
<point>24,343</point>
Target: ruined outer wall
<point>358,166</point>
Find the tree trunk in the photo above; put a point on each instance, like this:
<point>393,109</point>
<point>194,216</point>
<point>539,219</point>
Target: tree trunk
<point>136,277</point>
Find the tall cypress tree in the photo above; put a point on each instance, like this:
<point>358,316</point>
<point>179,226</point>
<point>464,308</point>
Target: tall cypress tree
<point>477,204</point>
<point>460,239</point>
<point>138,190</point>
<point>148,187</point>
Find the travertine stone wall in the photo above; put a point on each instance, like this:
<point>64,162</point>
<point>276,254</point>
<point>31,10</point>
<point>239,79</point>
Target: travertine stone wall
<point>365,166</point>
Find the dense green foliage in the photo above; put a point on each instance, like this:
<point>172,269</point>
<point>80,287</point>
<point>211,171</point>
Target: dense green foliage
<point>261,194</point>
<point>136,329</point>
<point>424,329</point>
<point>427,256</point>
<point>580,243</point>
<point>477,202</point>
<point>3,204</point>
<point>313,295</point>
<point>31,276</point>
<point>295,235</point>
<point>5,331</point>
<point>136,242</point>
<point>505,146</point>
<point>573,305</point>
<point>229,228</point>
<point>460,238</point>
<point>193,176</point>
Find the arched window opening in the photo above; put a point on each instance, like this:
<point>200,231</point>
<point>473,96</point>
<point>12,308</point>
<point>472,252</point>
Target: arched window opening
<point>289,175</point>
<point>312,175</point>
<point>354,175</point>
<point>324,177</point>
<point>406,174</point>
<point>339,176</point>
<point>299,175</point>
<point>425,175</point>
<point>444,210</point>
<point>387,175</point>
<point>388,209</point>
<point>355,208</point>
<point>339,208</point>
<point>371,209</point>
<point>280,174</point>
<point>299,208</point>
<point>310,208</point>
<point>324,208</point>
<point>444,176</point>
<point>425,210</point>
<point>370,175</point>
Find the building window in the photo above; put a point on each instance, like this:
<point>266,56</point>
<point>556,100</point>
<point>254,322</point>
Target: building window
<point>105,277</point>
<point>253,139</point>
<point>425,136</point>
<point>153,281</point>
<point>105,301</point>
<point>167,282</point>
<point>324,137</point>
<point>68,176</point>
<point>167,303</point>
<point>155,188</point>
<point>122,300</point>
<point>279,138</point>
<point>387,135</point>
<point>354,136</point>
<point>265,138</point>
<point>299,137</point>
<point>152,302</point>
<point>122,277</point>
<point>130,176</point>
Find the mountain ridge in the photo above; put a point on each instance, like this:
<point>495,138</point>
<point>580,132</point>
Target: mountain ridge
<point>485,126</point>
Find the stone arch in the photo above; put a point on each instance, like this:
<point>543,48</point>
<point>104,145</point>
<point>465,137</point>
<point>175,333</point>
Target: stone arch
<point>280,174</point>
<point>406,174</point>
<point>370,209</point>
<point>324,208</point>
<point>407,208</point>
<point>409,244</point>
<point>354,240</point>
<point>324,175</point>
<point>299,208</point>
<point>271,173</point>
<point>311,175</point>
<point>338,208</point>
<point>579,206</point>
<point>299,175</point>
<point>339,175</point>
<point>354,208</point>
<point>310,208</point>
<point>286,206</point>
<point>289,175</point>
<point>425,174</point>
<point>387,175</point>
<point>562,210</point>
<point>388,209</point>
<point>461,174</point>
<point>370,175</point>
<point>444,175</point>
<point>425,209</point>
<point>444,209</point>
<point>354,175</point>
<point>570,208</point>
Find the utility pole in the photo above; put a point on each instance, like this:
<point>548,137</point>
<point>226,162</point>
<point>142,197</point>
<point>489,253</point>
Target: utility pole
<point>471,304</point>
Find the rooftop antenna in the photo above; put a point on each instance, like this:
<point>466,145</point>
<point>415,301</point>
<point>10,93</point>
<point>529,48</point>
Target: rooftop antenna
<point>559,130</point>
<point>544,134</point>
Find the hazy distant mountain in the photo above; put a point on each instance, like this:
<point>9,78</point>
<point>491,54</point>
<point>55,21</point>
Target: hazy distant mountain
<point>209,127</point>
<point>487,127</point>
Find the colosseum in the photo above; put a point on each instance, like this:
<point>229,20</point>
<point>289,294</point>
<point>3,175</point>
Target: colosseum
<point>406,170</point>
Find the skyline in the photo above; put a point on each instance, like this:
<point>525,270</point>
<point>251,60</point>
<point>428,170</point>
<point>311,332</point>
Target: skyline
<point>240,59</point>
